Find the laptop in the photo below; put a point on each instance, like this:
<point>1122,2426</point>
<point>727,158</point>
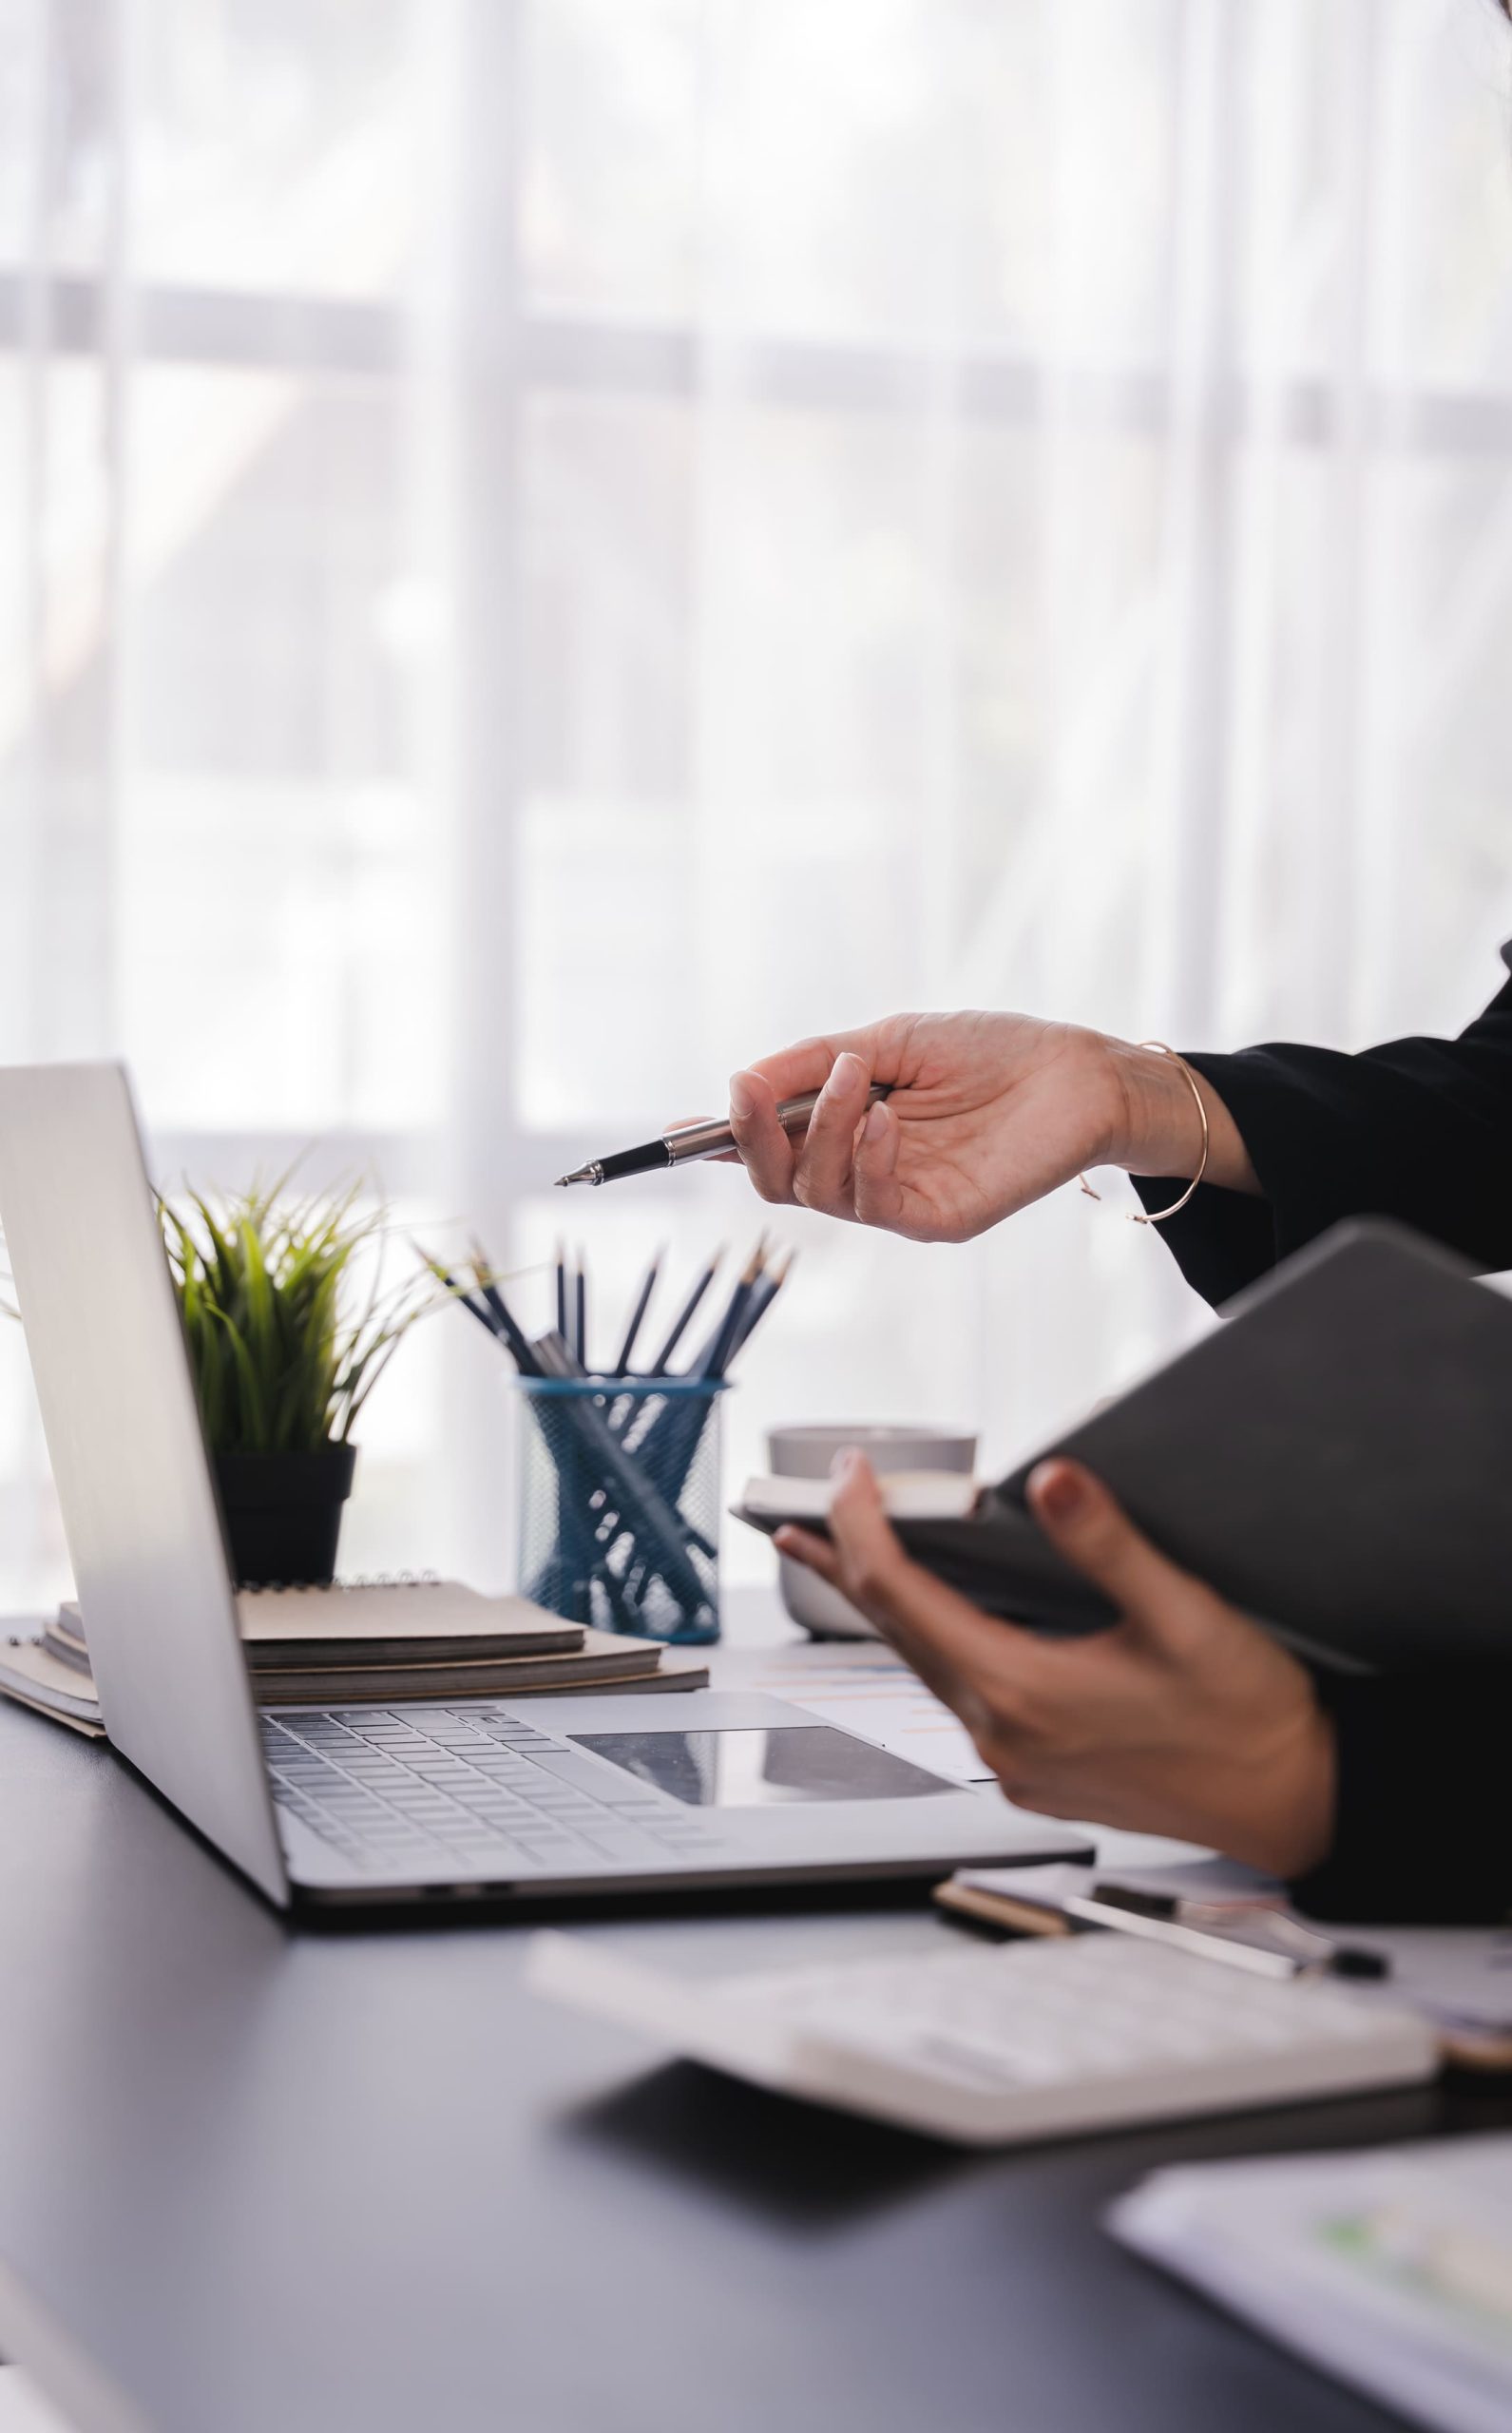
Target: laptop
<point>507,1801</point>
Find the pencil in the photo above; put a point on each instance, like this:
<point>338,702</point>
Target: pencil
<point>496,1318</point>
<point>679,1324</point>
<point>715,1357</point>
<point>554,1358</point>
<point>508,1329</point>
<point>622,1363</point>
<point>642,1500</point>
<point>762,1300</point>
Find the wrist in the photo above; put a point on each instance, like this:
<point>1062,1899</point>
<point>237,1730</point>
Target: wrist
<point>1158,1129</point>
<point>1291,1828</point>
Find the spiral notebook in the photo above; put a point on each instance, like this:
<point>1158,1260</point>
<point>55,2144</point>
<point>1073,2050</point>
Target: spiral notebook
<point>374,1641</point>
<point>375,1622</point>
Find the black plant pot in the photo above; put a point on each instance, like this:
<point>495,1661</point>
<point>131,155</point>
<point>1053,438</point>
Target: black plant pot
<point>283,1513</point>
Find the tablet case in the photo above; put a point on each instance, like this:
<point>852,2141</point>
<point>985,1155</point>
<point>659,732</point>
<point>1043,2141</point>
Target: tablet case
<point>1335,1459</point>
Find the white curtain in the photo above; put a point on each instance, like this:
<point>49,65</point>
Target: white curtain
<point>548,547</point>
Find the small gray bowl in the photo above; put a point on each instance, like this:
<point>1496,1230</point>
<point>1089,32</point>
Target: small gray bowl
<point>809,1453</point>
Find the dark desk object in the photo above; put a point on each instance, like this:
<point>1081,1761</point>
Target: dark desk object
<point>361,2183</point>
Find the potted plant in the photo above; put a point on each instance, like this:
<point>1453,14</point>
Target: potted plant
<point>287,1339</point>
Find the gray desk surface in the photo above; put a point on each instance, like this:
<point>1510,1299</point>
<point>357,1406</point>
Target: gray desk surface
<point>362,2183</point>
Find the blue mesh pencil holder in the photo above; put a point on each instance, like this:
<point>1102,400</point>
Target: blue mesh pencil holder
<point>619,1503</point>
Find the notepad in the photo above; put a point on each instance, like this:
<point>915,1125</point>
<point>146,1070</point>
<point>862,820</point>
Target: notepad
<point>377,1623</point>
<point>33,1676</point>
<point>602,1661</point>
<point>1390,2269</point>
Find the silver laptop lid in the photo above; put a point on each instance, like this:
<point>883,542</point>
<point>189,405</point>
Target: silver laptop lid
<point>128,1454</point>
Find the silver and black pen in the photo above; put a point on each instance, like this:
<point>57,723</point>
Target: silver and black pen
<point>1249,1935</point>
<point>689,1142</point>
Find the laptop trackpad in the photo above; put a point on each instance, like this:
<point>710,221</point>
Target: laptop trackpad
<point>745,1767</point>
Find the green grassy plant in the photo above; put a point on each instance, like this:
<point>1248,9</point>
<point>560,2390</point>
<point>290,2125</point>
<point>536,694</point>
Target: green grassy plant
<point>286,1340</point>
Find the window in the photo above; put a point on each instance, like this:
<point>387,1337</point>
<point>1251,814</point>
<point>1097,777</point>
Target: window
<point>553,545</point>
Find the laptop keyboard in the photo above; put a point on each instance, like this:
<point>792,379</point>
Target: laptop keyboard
<point>473,1786</point>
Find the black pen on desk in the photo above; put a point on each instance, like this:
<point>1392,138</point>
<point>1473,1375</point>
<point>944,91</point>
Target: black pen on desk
<point>680,1323</point>
<point>638,1314</point>
<point>562,1290</point>
<point>1245,1934</point>
<point>580,1340</point>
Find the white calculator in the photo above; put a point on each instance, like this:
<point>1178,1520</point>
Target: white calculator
<point>998,2044</point>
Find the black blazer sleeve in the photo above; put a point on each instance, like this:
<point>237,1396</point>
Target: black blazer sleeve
<point>1420,1129</point>
<point>1423,1821</point>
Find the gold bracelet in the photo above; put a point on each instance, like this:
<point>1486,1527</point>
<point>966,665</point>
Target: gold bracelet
<point>1144,1216</point>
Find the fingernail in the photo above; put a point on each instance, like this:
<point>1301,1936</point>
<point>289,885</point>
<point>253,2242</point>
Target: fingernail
<point>845,1460</point>
<point>742,1097</point>
<point>848,1070</point>
<point>1056,1489</point>
<point>876,1123</point>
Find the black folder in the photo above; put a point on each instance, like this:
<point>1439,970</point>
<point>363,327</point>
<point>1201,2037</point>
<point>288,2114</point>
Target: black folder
<point>1335,1457</point>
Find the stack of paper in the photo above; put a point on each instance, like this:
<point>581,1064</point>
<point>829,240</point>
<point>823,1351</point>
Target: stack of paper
<point>32,1675</point>
<point>1393,2269</point>
<point>373,1644</point>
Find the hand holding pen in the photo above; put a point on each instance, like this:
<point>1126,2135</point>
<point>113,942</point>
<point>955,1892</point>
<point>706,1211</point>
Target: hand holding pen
<point>975,1123</point>
<point>684,1145</point>
<point>875,1125</point>
<point>981,1113</point>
